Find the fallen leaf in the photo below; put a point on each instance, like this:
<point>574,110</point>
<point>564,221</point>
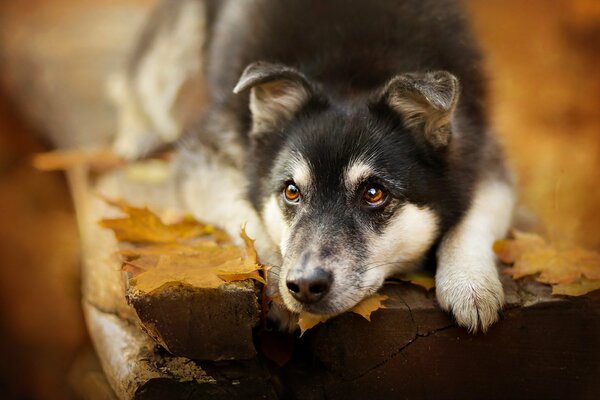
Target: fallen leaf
<point>172,269</point>
<point>508,251</point>
<point>571,271</point>
<point>365,308</point>
<point>179,253</point>
<point>251,255</point>
<point>578,288</point>
<point>233,271</point>
<point>307,321</point>
<point>203,265</point>
<point>423,279</point>
<point>140,225</point>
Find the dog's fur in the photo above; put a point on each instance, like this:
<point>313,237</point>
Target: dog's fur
<point>335,97</point>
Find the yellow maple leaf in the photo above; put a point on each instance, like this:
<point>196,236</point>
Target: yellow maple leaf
<point>179,253</point>
<point>571,271</point>
<point>140,225</point>
<point>364,308</point>
<point>578,288</point>
<point>203,266</point>
<point>307,321</point>
<point>233,271</point>
<point>423,279</point>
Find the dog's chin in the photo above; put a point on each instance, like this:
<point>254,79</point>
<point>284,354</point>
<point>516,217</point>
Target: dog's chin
<point>322,307</point>
<point>329,306</point>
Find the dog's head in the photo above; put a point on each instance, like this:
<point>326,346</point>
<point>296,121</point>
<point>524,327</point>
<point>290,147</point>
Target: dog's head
<point>351,190</point>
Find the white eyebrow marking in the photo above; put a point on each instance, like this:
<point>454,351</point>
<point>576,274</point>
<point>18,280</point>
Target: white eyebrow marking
<point>355,173</point>
<point>301,173</point>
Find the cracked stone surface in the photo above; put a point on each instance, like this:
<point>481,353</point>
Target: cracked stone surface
<point>410,313</point>
<point>138,369</point>
<point>548,347</point>
<point>201,324</point>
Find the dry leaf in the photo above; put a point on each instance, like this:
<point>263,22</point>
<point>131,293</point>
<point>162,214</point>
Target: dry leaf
<point>423,279</point>
<point>579,288</point>
<point>509,250</point>
<point>307,321</point>
<point>141,225</point>
<point>365,308</point>
<point>233,271</point>
<point>203,264</point>
<point>571,271</point>
<point>179,253</point>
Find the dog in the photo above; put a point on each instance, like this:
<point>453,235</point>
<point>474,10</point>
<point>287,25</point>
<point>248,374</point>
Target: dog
<point>351,136</point>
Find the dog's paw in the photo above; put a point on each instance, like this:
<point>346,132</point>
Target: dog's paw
<point>475,298</point>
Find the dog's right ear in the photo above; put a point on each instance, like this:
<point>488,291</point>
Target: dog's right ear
<point>277,93</point>
<point>426,102</point>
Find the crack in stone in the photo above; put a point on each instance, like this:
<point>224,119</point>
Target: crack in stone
<point>431,332</point>
<point>412,318</point>
<point>400,350</point>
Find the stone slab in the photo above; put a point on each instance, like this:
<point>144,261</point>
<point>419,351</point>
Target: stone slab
<point>203,324</point>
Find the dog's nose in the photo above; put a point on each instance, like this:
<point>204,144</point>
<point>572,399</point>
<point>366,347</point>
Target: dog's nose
<point>309,286</point>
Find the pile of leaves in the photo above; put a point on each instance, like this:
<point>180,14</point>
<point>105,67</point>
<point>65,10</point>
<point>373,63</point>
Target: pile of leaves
<point>570,270</point>
<point>184,252</point>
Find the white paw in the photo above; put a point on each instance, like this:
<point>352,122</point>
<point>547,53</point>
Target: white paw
<point>474,296</point>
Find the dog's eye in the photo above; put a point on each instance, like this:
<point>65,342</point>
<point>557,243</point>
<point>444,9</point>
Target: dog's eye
<point>374,196</point>
<point>291,193</point>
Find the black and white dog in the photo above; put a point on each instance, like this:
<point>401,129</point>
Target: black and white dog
<point>350,135</point>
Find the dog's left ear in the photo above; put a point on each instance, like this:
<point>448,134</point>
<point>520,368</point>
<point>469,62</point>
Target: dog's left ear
<point>425,102</point>
<point>277,93</point>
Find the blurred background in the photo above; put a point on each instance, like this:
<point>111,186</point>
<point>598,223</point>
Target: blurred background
<point>543,63</point>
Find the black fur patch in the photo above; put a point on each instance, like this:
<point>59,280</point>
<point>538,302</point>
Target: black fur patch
<point>348,50</point>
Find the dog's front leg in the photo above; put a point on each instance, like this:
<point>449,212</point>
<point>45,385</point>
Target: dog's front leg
<point>467,282</point>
